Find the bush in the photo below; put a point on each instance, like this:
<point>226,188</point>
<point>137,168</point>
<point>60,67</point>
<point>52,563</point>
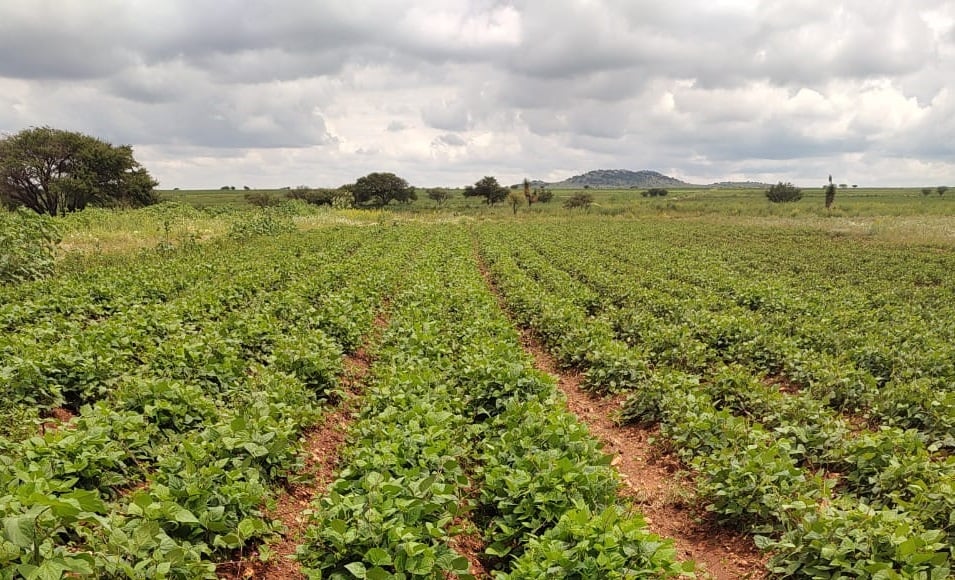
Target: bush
<point>27,245</point>
<point>606,544</point>
<point>579,200</point>
<point>262,199</point>
<point>655,192</point>
<point>783,192</point>
<point>313,196</point>
<point>261,223</point>
<point>544,195</point>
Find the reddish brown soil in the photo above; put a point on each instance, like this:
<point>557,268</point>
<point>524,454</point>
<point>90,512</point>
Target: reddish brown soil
<point>321,450</point>
<point>58,417</point>
<point>470,545</point>
<point>651,479</point>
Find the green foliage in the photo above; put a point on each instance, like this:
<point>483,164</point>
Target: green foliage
<point>315,196</point>
<point>579,200</point>
<point>783,193</point>
<point>543,195</point>
<point>439,195</point>
<point>608,544</point>
<point>655,192</point>
<point>57,172</point>
<point>201,370</point>
<point>380,189</point>
<point>262,199</point>
<point>941,189</point>
<point>488,188</point>
<point>830,195</point>
<point>858,541</point>
<point>260,223</point>
<point>27,245</point>
<point>747,379</point>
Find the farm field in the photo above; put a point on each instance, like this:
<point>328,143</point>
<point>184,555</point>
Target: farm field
<point>159,401</point>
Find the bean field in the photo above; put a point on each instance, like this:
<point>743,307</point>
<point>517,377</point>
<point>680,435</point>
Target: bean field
<point>161,406</point>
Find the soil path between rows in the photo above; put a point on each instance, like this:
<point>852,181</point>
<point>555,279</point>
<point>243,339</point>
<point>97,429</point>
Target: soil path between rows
<point>650,478</point>
<point>321,448</point>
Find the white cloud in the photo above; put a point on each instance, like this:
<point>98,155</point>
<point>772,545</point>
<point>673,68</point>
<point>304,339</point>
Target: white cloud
<point>446,91</point>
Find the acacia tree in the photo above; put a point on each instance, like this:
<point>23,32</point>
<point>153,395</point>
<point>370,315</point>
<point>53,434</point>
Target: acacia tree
<point>56,172</point>
<point>380,189</point>
<point>488,188</point>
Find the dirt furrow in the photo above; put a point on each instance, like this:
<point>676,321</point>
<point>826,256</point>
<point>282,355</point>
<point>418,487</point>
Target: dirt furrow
<point>651,479</point>
<point>321,449</point>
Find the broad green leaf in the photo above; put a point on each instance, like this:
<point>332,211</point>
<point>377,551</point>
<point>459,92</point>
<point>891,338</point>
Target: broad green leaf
<point>20,530</point>
<point>357,569</point>
<point>378,557</point>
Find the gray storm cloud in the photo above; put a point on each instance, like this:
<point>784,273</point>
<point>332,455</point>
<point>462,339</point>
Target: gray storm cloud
<point>446,90</point>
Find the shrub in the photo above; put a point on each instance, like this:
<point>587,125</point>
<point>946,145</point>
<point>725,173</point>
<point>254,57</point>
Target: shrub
<point>783,192</point>
<point>313,196</point>
<point>27,245</point>
<point>261,223</point>
<point>655,192</point>
<point>262,199</point>
<point>579,200</point>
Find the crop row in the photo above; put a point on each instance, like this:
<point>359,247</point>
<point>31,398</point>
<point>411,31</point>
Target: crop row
<point>860,345</point>
<point>460,435</point>
<point>825,497</point>
<point>190,405</point>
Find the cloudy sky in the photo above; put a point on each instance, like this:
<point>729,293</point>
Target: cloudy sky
<point>442,92</point>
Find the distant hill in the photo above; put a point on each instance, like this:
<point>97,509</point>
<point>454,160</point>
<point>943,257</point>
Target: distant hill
<point>619,179</point>
<point>740,185</point>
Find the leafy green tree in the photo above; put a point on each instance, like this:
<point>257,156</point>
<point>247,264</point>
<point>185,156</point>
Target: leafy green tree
<point>783,193</point>
<point>438,195</point>
<point>380,189</point>
<point>941,189</point>
<point>655,192</point>
<point>56,172</point>
<point>489,189</point>
<point>926,191</point>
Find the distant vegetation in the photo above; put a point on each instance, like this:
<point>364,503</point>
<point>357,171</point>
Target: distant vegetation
<point>488,188</point>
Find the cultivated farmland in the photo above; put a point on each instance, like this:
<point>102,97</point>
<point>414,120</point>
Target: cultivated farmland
<point>163,408</point>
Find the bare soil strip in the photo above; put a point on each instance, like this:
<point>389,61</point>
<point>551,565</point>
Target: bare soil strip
<point>321,448</point>
<point>471,546</point>
<point>651,480</point>
<point>650,477</point>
